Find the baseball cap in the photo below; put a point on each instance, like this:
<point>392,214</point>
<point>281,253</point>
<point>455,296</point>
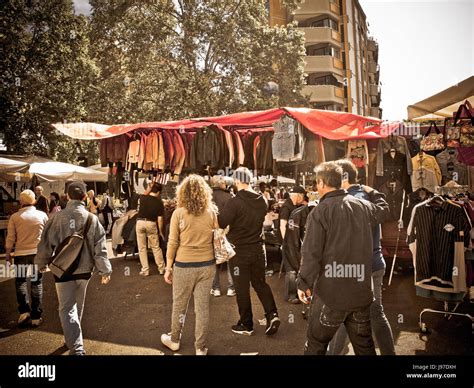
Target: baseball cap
<point>76,189</point>
<point>297,190</point>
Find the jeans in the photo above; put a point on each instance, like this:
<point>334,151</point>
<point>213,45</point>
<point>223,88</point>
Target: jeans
<point>71,296</point>
<point>324,323</point>
<point>186,283</point>
<point>248,267</point>
<point>21,286</point>
<point>216,284</point>
<point>381,329</point>
<point>148,230</point>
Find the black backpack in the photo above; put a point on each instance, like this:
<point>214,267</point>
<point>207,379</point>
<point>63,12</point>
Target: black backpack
<point>67,254</point>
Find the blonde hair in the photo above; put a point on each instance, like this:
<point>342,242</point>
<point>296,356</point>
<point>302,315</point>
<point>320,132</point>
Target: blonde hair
<point>195,195</point>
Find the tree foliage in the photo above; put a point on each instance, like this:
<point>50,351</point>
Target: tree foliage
<point>140,60</point>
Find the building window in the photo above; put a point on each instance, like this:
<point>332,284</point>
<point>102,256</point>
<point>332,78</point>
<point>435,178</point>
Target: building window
<point>325,50</point>
<point>326,23</point>
<point>322,80</point>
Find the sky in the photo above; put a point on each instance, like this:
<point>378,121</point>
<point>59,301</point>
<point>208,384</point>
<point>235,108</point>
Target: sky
<point>425,46</point>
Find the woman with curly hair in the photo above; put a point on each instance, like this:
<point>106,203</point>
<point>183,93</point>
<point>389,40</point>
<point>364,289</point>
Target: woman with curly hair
<point>190,249</point>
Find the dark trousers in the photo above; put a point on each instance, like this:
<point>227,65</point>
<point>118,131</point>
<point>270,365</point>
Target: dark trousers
<point>21,285</point>
<point>323,325</point>
<point>248,267</point>
<point>108,219</point>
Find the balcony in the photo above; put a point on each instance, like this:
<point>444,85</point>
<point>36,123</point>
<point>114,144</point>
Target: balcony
<point>323,63</point>
<point>375,112</point>
<point>310,8</point>
<point>324,93</point>
<point>373,67</point>
<point>374,90</point>
<point>321,35</point>
<point>372,45</point>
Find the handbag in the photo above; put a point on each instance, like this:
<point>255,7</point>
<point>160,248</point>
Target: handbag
<point>432,141</point>
<point>223,249</point>
<point>466,127</point>
<point>67,254</point>
<point>453,133</point>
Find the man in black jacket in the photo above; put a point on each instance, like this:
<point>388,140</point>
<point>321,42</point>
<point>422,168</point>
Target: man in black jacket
<point>245,214</point>
<point>336,264</point>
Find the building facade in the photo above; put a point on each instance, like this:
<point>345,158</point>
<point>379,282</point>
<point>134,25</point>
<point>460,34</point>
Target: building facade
<point>341,59</point>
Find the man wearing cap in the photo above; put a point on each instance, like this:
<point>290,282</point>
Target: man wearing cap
<point>24,233</point>
<point>297,194</point>
<point>244,214</point>
<point>71,290</point>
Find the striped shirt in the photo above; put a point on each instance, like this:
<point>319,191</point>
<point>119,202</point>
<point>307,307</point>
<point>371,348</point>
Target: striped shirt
<point>435,229</point>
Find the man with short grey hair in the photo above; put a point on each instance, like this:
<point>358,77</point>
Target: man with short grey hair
<point>71,289</point>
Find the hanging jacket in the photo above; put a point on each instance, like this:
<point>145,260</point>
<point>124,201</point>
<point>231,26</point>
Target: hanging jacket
<point>113,150</point>
<point>398,143</point>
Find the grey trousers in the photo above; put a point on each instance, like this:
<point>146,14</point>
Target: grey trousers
<point>71,296</point>
<point>190,281</point>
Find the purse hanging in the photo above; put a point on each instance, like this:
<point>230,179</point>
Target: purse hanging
<point>432,141</point>
<point>223,249</point>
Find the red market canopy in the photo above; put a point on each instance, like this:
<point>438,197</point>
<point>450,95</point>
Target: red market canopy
<point>328,124</point>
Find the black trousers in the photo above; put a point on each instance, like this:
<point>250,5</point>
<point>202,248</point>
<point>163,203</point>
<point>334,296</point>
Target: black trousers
<point>248,268</point>
<point>324,322</point>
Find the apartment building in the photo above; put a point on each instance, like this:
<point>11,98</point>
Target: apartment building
<point>341,59</point>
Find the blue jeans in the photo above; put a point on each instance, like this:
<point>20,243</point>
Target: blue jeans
<point>216,284</point>
<point>21,286</point>
<point>71,296</point>
<point>381,329</point>
<point>325,321</point>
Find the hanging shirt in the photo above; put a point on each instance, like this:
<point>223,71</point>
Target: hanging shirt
<point>451,168</point>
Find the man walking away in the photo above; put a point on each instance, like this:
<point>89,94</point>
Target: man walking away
<point>336,264</point>
<point>150,212</point>
<point>245,214</point>
<point>380,326</point>
<point>24,233</point>
<point>71,289</point>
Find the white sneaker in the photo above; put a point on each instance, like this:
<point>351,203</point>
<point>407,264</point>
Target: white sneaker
<point>166,340</point>
<point>24,318</point>
<point>216,293</point>
<point>36,322</point>
<point>202,352</point>
<point>230,292</point>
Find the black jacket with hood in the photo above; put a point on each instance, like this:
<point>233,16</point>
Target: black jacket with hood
<point>244,214</point>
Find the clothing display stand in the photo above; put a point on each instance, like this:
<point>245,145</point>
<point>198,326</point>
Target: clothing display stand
<point>400,227</point>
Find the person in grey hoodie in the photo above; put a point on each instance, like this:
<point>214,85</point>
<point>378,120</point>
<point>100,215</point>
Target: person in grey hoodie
<point>71,290</point>
<point>244,214</point>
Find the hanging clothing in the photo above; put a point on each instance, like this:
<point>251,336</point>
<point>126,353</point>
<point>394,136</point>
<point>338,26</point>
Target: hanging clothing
<point>358,153</point>
<point>180,153</point>
<point>239,150</point>
<point>394,196</point>
<point>230,148</point>
<point>426,172</point>
<point>114,149</point>
<point>394,169</point>
<point>134,151</point>
<point>451,168</point>
<point>398,143</point>
<point>168,149</point>
<point>429,162</point>
<point>433,232</point>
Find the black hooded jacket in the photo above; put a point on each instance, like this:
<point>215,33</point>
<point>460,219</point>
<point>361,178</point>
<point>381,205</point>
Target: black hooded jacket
<point>244,214</point>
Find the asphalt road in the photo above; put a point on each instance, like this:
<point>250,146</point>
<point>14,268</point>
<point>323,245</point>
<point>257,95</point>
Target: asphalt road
<point>128,316</point>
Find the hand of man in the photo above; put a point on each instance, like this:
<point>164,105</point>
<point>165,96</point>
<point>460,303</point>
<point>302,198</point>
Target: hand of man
<point>105,279</point>
<point>305,296</point>
<point>169,277</point>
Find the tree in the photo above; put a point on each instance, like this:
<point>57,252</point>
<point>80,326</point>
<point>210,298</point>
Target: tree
<point>168,59</point>
<point>46,73</point>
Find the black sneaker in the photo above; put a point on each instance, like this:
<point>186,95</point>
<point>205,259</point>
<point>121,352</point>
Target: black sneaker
<point>241,329</point>
<point>272,325</point>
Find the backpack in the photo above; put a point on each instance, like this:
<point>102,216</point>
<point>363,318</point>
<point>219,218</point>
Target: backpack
<point>67,254</point>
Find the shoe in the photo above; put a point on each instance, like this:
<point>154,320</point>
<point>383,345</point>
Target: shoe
<point>161,271</point>
<point>273,325</point>
<point>230,292</point>
<point>294,301</point>
<point>36,322</point>
<point>216,293</point>
<point>24,319</point>
<point>241,329</point>
<point>202,352</point>
<point>166,340</point>
<point>269,273</point>
<point>144,273</point>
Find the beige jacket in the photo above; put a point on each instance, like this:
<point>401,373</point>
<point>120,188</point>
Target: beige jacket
<point>191,237</point>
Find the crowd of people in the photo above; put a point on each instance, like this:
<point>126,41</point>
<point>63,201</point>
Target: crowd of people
<point>330,250</point>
